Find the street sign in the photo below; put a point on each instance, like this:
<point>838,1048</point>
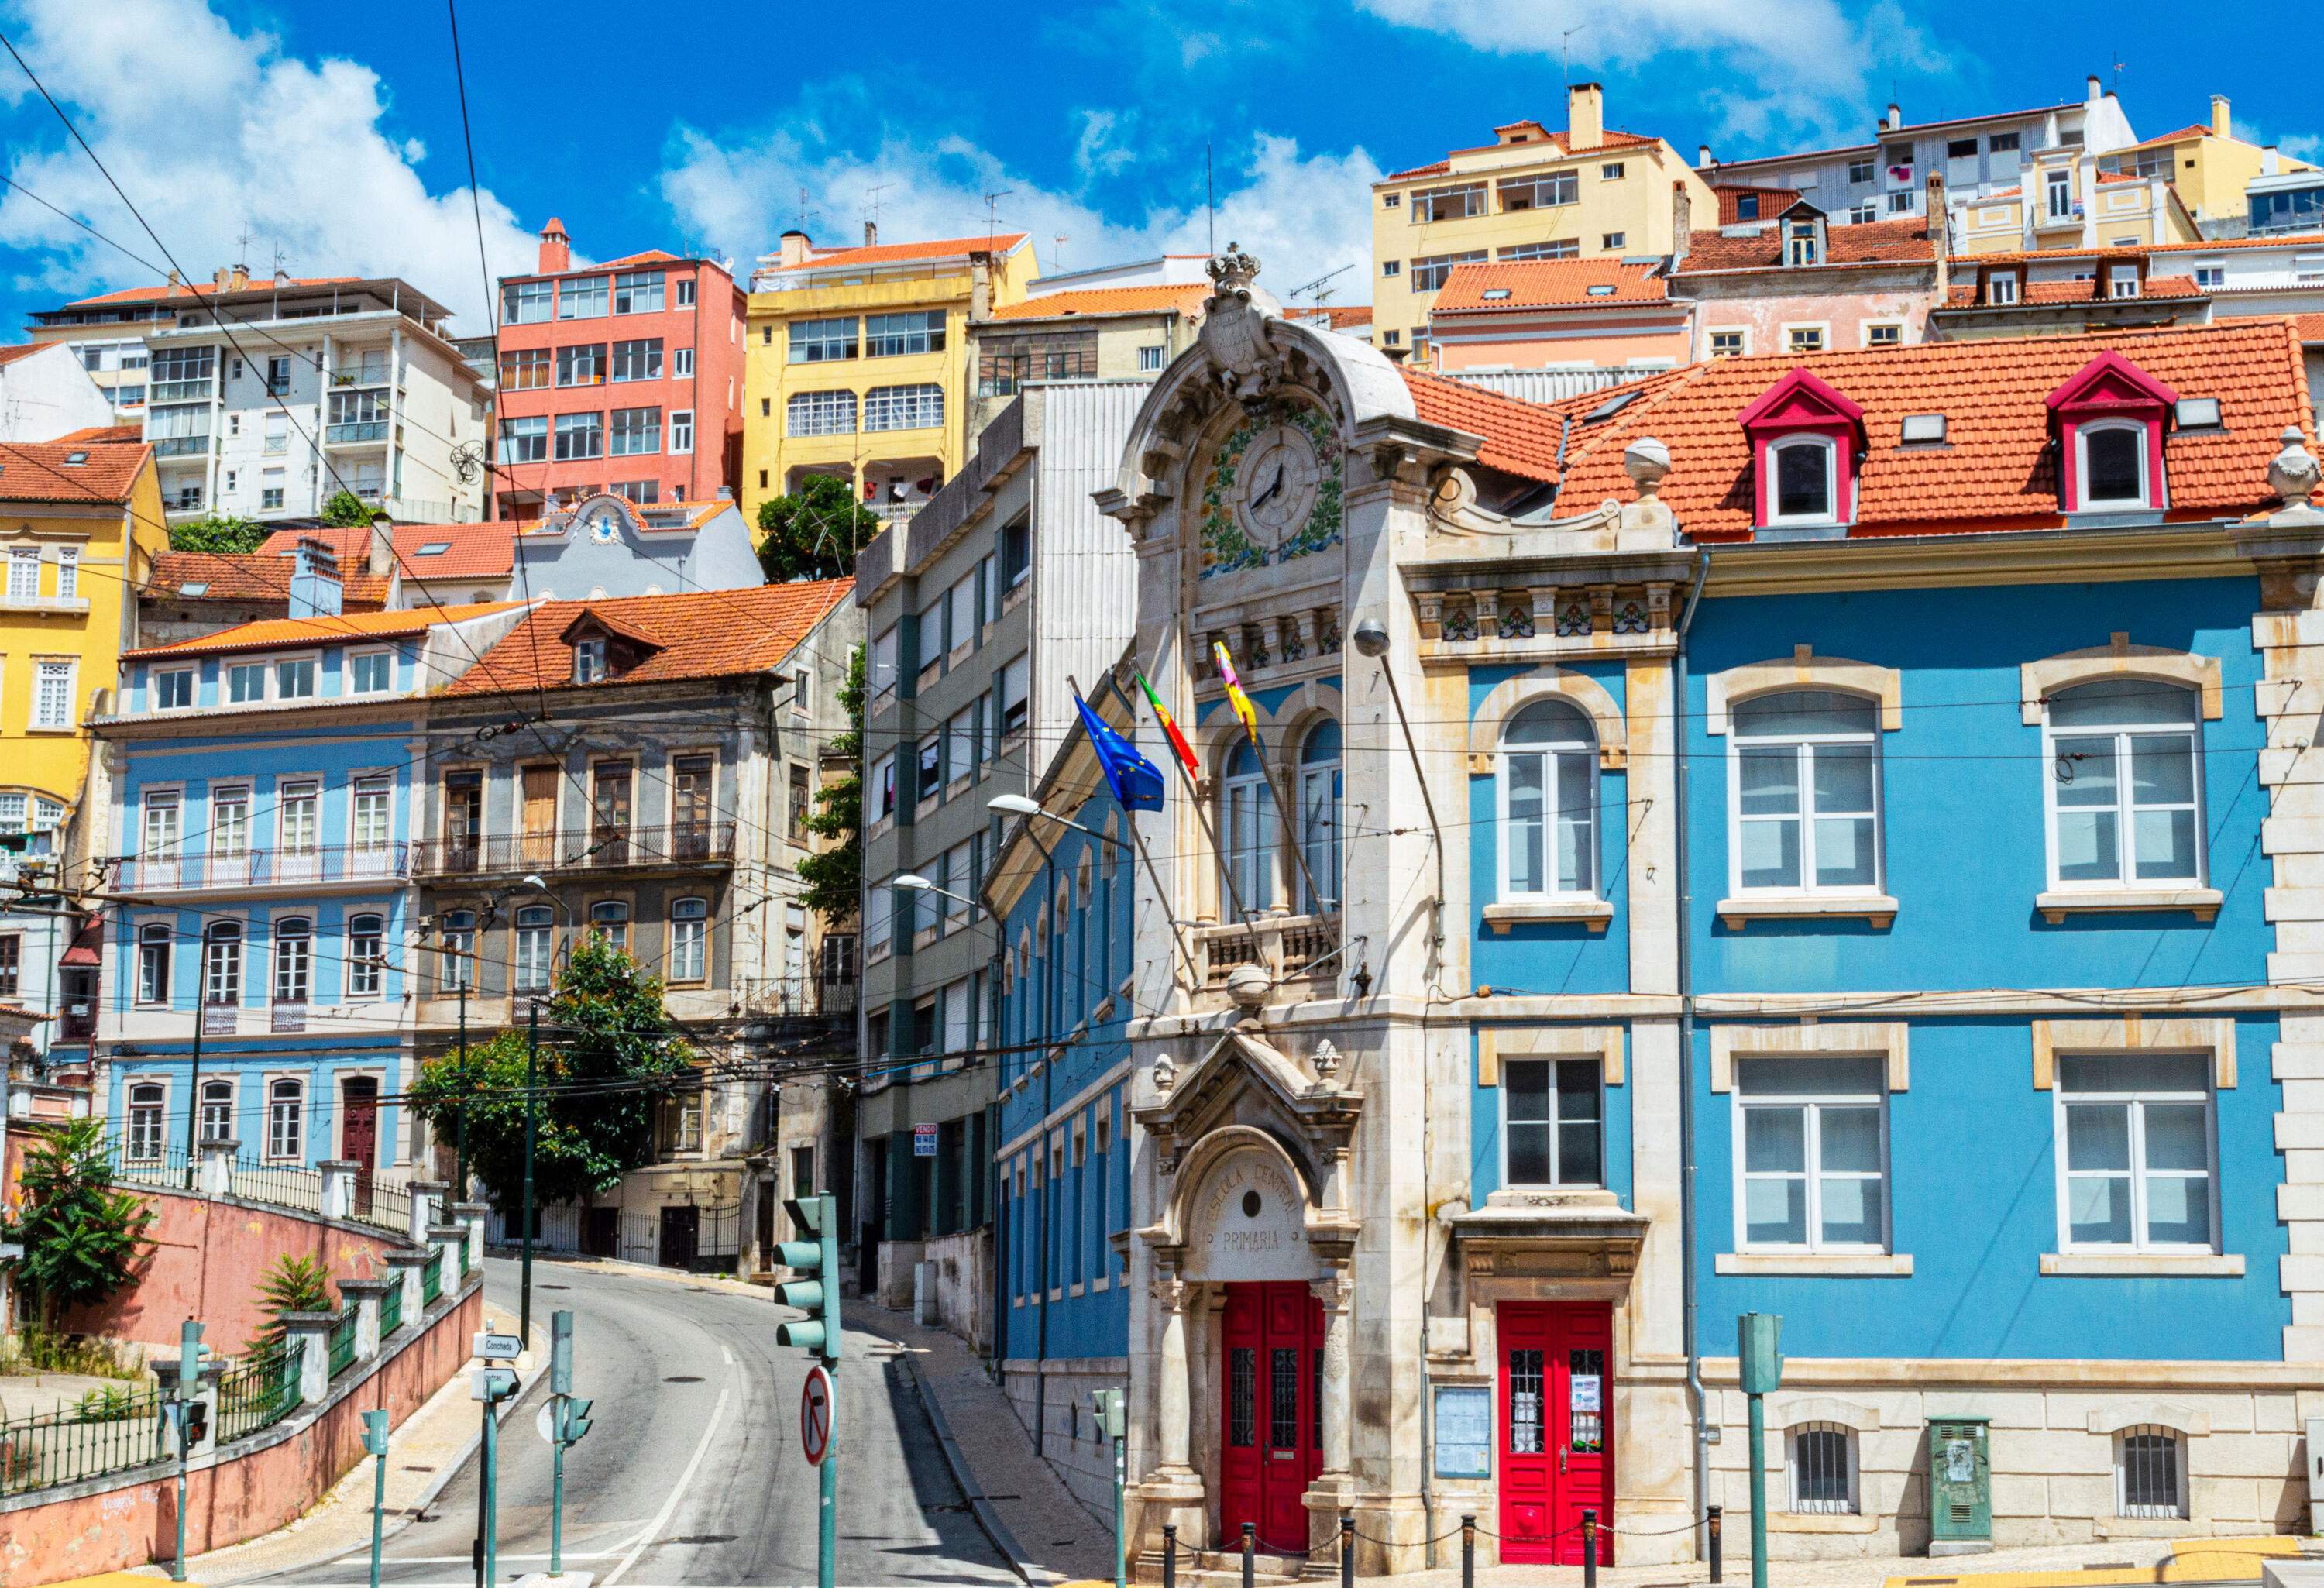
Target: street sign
<point>923,1141</point>
<point>545,1425</point>
<point>491,1384</point>
<point>816,1414</point>
<point>494,1347</point>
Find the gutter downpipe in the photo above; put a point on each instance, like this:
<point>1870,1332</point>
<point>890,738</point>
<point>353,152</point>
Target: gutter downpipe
<point>1685,963</point>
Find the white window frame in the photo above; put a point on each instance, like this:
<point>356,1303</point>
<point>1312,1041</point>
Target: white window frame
<point>681,426</point>
<point>203,1106</point>
<point>1798,1504</point>
<point>690,940</point>
<point>313,659</point>
<point>144,1120</point>
<point>589,659</point>
<point>1252,858</point>
<point>1552,814</point>
<point>2126,877</point>
<point>1151,358</point>
<point>1738,739</point>
<point>192,685</point>
<point>1812,1104</point>
<point>1820,329</point>
<point>64,717</point>
<point>2119,276</point>
<point>1711,333</point>
<point>534,932</point>
<point>2001,288</point>
<point>355,661</point>
<point>2145,503</point>
<point>1830,450</point>
<point>1865,330</point>
<point>366,974</point>
<point>286,1133</point>
<point>2136,1101</point>
<point>2176,1509</point>
<point>156,941</point>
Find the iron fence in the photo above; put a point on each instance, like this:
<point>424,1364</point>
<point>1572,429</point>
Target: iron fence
<point>111,1431</point>
<point>432,1278</point>
<point>391,1310</point>
<point>285,1184</point>
<point>579,849</point>
<point>257,1392</point>
<point>385,1206</point>
<point>343,1342</point>
<point>248,868</point>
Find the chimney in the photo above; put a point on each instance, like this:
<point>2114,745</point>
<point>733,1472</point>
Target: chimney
<point>2095,92</point>
<point>174,280</point>
<point>556,249</point>
<point>1585,116</point>
<point>2269,164</point>
<point>1703,160</point>
<point>725,493</point>
<point>1682,223</point>
<point>314,580</point>
<point>2219,122</point>
<point>1940,225</point>
<point>1895,118</point>
<point>870,234</point>
<point>380,558</point>
<point>241,277</point>
<point>219,278</point>
<point>792,251</point>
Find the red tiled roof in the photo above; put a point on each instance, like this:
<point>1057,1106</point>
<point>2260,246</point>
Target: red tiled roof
<point>36,471</point>
<point>896,253</point>
<point>1338,316</point>
<point>1871,242</point>
<point>246,576</point>
<point>1732,194</point>
<point>1997,469</point>
<point>276,633</point>
<point>1554,144</point>
<point>203,288</point>
<point>2120,176</point>
<point>2192,130</point>
<point>105,436</point>
<point>1520,438</point>
<point>2045,294</point>
<point>1562,284</point>
<point>700,634</point>
<point>2135,250</point>
<point>475,552</point>
<point>649,256</point>
<point>10,355</point>
<point>1183,298</point>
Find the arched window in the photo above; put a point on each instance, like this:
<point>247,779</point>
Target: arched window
<point>142,1138</point>
<point>2111,456</point>
<point>153,962</point>
<point>1248,832</point>
<point>2125,806</point>
<point>217,1111</point>
<point>689,939</point>
<point>2150,1473</point>
<point>1806,785</point>
<point>1321,786</point>
<point>610,920</point>
<point>286,1118</point>
<point>1807,480</point>
<point>1549,798</point>
<point>365,935</point>
<point>222,964</point>
<point>294,943</point>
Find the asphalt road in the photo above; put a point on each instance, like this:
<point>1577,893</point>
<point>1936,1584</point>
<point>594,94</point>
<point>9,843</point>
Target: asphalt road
<point>691,1473</point>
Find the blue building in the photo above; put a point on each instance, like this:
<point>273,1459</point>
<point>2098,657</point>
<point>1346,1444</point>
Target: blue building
<point>256,980</point>
<point>1832,838</point>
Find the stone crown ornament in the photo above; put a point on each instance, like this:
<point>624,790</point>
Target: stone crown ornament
<point>2293,473</point>
<point>1232,273</point>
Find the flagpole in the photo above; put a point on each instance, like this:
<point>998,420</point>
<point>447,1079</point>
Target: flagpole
<point>1291,828</point>
<point>1162,896</point>
<point>1201,818</point>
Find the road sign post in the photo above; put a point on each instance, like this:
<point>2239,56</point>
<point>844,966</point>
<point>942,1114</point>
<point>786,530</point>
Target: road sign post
<point>375,1438</point>
<point>1112,1418</point>
<point>1758,1337</point>
<point>491,1385</point>
<point>816,1257</point>
<point>816,1413</point>
<point>563,1422</point>
<point>181,1417</point>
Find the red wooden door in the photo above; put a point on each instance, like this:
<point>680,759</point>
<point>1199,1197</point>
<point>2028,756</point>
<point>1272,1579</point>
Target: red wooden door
<point>1556,1430</point>
<point>359,1133</point>
<point>1269,1448</point>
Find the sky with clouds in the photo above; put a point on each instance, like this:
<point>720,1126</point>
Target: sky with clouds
<point>332,134</point>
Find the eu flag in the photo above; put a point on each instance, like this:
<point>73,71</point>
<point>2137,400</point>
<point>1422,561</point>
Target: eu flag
<point>1137,785</point>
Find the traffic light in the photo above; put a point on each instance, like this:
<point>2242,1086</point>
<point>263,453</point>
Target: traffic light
<point>817,1217</point>
<point>576,1420</point>
<point>374,1433</point>
<point>198,1422</point>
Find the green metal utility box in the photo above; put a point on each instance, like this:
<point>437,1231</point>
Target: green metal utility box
<point>1960,1487</point>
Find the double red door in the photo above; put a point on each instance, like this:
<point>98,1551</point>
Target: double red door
<point>1270,1426</point>
<point>1556,1429</point>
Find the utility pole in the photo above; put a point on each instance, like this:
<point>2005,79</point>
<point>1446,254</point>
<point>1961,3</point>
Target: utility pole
<point>490,1385</point>
<point>819,1333</point>
<point>531,1123</point>
<point>569,1419</point>
<point>1758,1337</point>
<point>1112,1419</point>
<point>190,1416</point>
<point>460,1112</point>
<point>193,1078</point>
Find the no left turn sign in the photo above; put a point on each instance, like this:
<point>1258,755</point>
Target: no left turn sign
<point>816,1414</point>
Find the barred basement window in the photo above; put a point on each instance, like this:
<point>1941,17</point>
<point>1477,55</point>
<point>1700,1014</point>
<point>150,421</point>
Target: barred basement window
<point>1822,1473</point>
<point>2150,1476</point>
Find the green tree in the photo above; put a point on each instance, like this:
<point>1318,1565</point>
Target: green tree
<point>834,876</point>
<point>605,1042</point>
<point>81,1238</point>
<point>215,532</point>
<point>815,532</point>
<point>345,511</point>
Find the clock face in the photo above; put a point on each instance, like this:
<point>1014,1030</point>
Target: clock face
<point>1275,484</point>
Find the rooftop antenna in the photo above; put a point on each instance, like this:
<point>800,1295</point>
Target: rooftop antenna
<point>871,201</point>
<point>1566,44</point>
<point>1319,285</point>
<point>1057,251</point>
<point>2118,65</point>
<point>992,214</point>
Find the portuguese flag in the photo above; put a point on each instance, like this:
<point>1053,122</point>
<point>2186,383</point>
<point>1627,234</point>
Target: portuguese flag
<point>1185,751</point>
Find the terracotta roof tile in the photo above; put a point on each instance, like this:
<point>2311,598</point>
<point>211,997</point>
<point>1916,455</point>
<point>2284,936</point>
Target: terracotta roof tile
<point>1184,298</point>
<point>1338,316</point>
<point>39,471</point>
<point>1520,438</point>
<point>2192,130</point>
<point>472,551</point>
<point>278,634</point>
<point>105,436</point>
<point>1871,242</point>
<point>10,355</point>
<point>896,253</point>
<point>1553,147</point>
<point>1732,194</point>
<point>1997,469</point>
<point>1536,284</point>
<point>202,289</point>
<point>2048,294</point>
<point>2137,250</point>
<point>247,576</point>
<point>703,634</point>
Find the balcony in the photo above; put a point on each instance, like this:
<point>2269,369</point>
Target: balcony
<point>201,391</point>
<point>1288,948</point>
<point>355,433</point>
<point>794,997</point>
<point>289,1014</point>
<point>588,849</point>
<point>181,446</point>
<point>264,868</point>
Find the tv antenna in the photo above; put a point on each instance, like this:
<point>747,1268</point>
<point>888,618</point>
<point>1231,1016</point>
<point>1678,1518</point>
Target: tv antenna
<point>1565,47</point>
<point>1057,251</point>
<point>992,213</point>
<point>2119,65</point>
<point>871,201</point>
<point>1319,286</point>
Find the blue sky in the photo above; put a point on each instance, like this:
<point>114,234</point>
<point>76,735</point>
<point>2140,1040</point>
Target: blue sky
<point>333,132</point>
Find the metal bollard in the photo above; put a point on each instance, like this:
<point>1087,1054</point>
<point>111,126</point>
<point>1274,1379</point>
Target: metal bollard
<point>1169,1554</point>
<point>1347,1550</point>
<point>1717,1568</point>
<point>1589,1548</point>
<point>1468,1551</point>
<point>1248,1545</point>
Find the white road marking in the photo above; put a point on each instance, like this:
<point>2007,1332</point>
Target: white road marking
<point>685,1480</point>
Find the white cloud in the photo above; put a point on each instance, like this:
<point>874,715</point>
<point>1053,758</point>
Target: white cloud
<point>213,132</point>
<point>1302,214</point>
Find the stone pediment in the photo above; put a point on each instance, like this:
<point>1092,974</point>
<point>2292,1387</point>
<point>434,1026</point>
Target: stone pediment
<point>1242,1077</point>
<point>1515,1219</point>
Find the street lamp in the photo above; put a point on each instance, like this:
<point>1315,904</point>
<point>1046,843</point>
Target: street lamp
<point>532,1117</point>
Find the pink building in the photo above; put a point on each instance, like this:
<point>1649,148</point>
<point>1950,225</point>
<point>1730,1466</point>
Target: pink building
<point>1795,284</point>
<point>1542,313</point>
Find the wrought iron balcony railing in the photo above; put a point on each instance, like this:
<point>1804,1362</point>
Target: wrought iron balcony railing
<point>253,868</point>
<point>582,849</point>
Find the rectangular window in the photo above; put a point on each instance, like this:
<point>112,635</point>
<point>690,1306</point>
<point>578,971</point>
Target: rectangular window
<point>2122,281</point>
<point>1016,554</point>
<point>1014,680</point>
<point>24,573</point>
<point>1152,359</point>
<point>2134,1141</point>
<point>581,365</point>
<point>581,298</point>
<point>904,408</point>
<point>1807,776</point>
<point>681,431</point>
<point>1821,1477</point>
<point>1960,149</point>
<point>1004,364</point>
<point>535,925</point>
<point>1454,203</point>
<point>1804,338</point>
<point>2001,142</point>
<point>638,292</point>
<point>365,959</point>
<point>53,695</point>
<point>1545,191</point>
<point>892,336</point>
<point>961,601</point>
<point>1861,167</point>
<point>1811,1153</point>
<point>2124,806</point>
<point>524,370</point>
<point>1565,248</point>
<point>2001,287</point>
<point>882,671</point>
<point>1614,241</point>
<point>1428,274</point>
<point>1863,215</point>
<point>246,683</point>
<point>819,413</point>
<point>2148,1477</point>
<point>638,360</point>
<point>686,293</point>
<point>294,679</point>
<point>1901,203</point>
<point>801,805</point>
<point>68,573</point>
<point>371,673</point>
<point>1610,172</point>
<point>1552,1133</point>
<point>1884,336</point>
<point>823,341</point>
<point>2058,188</point>
<point>370,822</point>
<point>689,939</point>
<point>173,689</point>
<point>928,768</point>
<point>1727,344</point>
<point>525,303</point>
<point>524,440</point>
<point>636,431</point>
<point>580,435</point>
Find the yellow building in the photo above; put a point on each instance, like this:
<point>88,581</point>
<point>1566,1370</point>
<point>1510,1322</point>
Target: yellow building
<point>858,362</point>
<point>2067,201</point>
<point>80,522</point>
<point>1530,194</point>
<point>2209,166</point>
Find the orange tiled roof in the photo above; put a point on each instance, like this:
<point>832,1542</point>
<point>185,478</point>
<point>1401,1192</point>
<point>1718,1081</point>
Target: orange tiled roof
<point>649,256</point>
<point>1184,298</point>
<point>2192,130</point>
<point>2120,176</point>
<point>277,634</point>
<point>1554,145</point>
<point>1338,316</point>
<point>481,550</point>
<point>1561,283</point>
<point>105,436</point>
<point>10,355</point>
<point>896,253</point>
<point>1871,242</point>
<point>2044,294</point>
<point>700,634</point>
<point>203,288</point>
<point>1520,438</point>
<point>2133,250</point>
<point>1997,470</point>
<point>246,576</point>
<point>1732,194</point>
<point>37,471</point>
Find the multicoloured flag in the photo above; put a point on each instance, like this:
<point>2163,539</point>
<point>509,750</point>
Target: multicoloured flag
<point>1241,702</point>
<point>1136,782</point>
<point>1185,751</point>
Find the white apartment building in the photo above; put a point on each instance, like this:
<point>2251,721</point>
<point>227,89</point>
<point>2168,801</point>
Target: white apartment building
<point>264,397</point>
<point>45,393</point>
<point>1976,156</point>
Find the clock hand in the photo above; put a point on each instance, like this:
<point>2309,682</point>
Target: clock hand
<point>1264,497</point>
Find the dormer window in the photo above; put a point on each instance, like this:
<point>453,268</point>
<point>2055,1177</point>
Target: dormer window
<point>1800,243</point>
<point>1805,477</point>
<point>2122,281</point>
<point>2109,420</point>
<point>1807,437</point>
<point>2001,287</point>
<point>588,660</point>
<point>2112,463</point>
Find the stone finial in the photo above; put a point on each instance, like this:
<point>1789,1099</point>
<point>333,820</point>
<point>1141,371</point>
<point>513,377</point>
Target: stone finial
<point>1326,1060</point>
<point>1233,270</point>
<point>1646,460</point>
<point>2293,473</point>
<point>1165,1072</point>
<point>1249,985</point>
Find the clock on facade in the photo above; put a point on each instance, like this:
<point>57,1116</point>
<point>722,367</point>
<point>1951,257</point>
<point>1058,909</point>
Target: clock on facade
<point>1275,484</point>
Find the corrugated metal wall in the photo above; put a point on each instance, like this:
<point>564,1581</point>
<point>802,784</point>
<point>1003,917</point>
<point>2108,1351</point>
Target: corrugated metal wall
<point>1547,385</point>
<point>1085,584</point>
